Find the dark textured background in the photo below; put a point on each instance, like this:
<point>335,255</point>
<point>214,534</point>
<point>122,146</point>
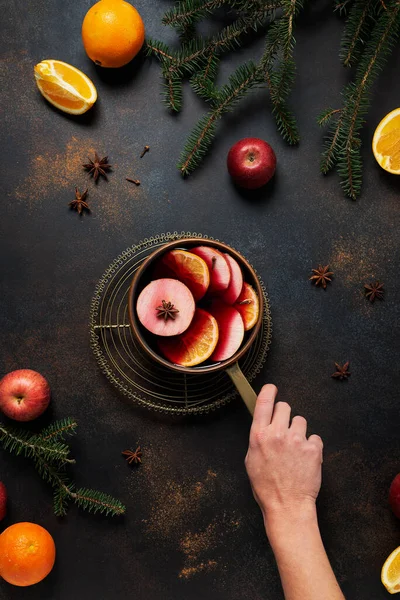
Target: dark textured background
<point>192,530</point>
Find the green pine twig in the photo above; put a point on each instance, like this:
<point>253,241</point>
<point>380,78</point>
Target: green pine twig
<point>50,457</point>
<point>90,500</point>
<point>18,442</point>
<point>187,14</point>
<point>59,429</point>
<point>357,30</point>
<point>197,57</point>
<point>244,78</point>
<point>343,142</point>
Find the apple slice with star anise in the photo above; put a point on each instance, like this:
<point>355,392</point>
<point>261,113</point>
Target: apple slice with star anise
<point>165,307</point>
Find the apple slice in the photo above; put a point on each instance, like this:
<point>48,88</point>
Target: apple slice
<point>236,283</point>
<point>195,345</point>
<point>165,307</point>
<point>231,330</point>
<point>248,305</point>
<point>220,273</point>
<point>189,268</point>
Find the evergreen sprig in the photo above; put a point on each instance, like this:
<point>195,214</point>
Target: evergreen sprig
<point>370,31</point>
<point>343,142</point>
<point>245,77</point>
<point>50,455</point>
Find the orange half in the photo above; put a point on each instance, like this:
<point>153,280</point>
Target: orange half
<point>65,87</point>
<point>386,142</point>
<point>390,575</point>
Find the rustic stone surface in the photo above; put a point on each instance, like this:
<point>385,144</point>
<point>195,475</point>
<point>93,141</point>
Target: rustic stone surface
<point>192,530</point>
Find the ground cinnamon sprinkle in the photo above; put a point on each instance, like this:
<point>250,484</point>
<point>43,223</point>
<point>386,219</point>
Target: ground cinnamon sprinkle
<point>188,572</point>
<point>174,507</point>
<point>355,260</point>
<point>51,171</point>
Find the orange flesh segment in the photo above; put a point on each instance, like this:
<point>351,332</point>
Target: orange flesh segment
<point>394,569</point>
<point>249,312</point>
<point>60,95</point>
<point>71,77</point>
<point>196,344</point>
<point>389,142</point>
<point>190,269</point>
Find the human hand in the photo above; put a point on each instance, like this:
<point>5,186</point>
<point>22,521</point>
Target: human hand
<point>284,466</point>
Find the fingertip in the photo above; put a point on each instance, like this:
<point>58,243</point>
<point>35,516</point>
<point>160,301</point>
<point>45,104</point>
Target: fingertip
<point>269,389</point>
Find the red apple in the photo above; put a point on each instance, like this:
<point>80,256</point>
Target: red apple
<point>3,501</point>
<point>251,163</point>
<point>24,395</point>
<point>165,307</point>
<point>394,496</point>
<point>231,330</point>
<point>235,286</point>
<point>220,273</point>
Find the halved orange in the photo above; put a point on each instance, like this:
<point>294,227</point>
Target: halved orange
<point>390,575</point>
<point>65,86</point>
<point>248,305</point>
<point>188,268</point>
<point>195,345</point>
<point>386,142</point>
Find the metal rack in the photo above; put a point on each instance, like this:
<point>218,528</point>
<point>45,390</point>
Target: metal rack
<point>130,371</point>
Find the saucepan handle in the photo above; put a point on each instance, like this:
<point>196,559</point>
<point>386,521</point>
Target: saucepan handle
<point>244,388</point>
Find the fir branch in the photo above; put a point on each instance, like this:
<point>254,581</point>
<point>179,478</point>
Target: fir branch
<point>173,94</point>
<point>198,56</point>
<point>332,140</point>
<point>327,115</point>
<point>90,500</point>
<point>187,13</point>
<point>22,442</point>
<point>158,49</point>
<point>383,38</point>
<point>59,429</point>
<point>50,458</point>
<point>357,29</point>
<point>98,502</point>
<point>203,82</point>
<point>199,141</point>
<point>342,6</point>
<point>280,79</point>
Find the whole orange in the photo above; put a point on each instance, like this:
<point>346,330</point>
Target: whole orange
<point>27,554</point>
<point>112,33</point>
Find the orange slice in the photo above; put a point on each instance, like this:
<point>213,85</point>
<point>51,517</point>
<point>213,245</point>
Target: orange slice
<point>386,142</point>
<point>248,306</point>
<point>195,345</point>
<point>65,87</point>
<point>188,268</point>
<point>390,575</point>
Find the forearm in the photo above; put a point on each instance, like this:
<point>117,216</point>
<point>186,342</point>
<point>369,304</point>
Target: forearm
<point>303,565</point>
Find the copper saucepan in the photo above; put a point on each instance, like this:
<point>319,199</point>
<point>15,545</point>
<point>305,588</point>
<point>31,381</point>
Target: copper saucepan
<point>231,366</point>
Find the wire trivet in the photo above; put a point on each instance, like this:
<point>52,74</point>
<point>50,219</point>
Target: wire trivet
<point>131,371</point>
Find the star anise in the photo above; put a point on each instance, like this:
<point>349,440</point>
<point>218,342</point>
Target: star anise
<point>133,456</point>
<point>80,201</point>
<point>167,311</point>
<point>321,276</point>
<point>97,167</point>
<point>374,290</point>
<point>342,372</point>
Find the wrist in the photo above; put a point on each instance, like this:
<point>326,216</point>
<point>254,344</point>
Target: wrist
<point>283,524</point>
